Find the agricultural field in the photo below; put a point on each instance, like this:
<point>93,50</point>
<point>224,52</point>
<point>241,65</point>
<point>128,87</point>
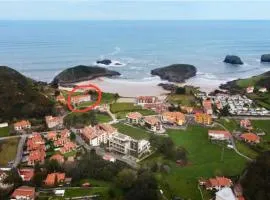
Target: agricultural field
<point>134,132</point>
<point>121,109</point>
<point>8,150</point>
<point>4,132</point>
<point>205,160</point>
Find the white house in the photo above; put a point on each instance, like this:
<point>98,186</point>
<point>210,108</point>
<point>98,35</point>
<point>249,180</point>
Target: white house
<point>225,194</point>
<point>219,135</point>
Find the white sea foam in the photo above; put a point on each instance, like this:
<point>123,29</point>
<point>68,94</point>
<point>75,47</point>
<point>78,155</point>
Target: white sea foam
<point>115,63</point>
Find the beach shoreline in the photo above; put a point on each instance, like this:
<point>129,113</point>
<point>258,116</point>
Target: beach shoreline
<point>128,88</point>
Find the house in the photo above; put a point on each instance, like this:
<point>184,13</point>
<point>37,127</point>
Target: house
<point>53,122</point>
<point>54,179</point>
<point>24,124</point>
<point>217,183</point>
<point>250,89</point>
<point>61,99</point>
<point>64,133</point>
<point>263,90</point>
<point>157,107</point>
<point>134,117</point>
<point>52,136</point>
<point>26,174</point>
<point>153,123</point>
<point>125,145</point>
<point>218,105</point>
<point>225,193</point>
<point>177,118</point>
<point>35,141</point>
<point>60,142</point>
<point>207,106</point>
<point>68,147</point>
<point>250,138</point>
<point>80,98</point>
<point>146,99</point>
<point>203,118</point>
<point>59,158</point>
<point>219,135</point>
<point>24,193</point>
<point>246,123</point>
<point>37,156</point>
<point>98,134</point>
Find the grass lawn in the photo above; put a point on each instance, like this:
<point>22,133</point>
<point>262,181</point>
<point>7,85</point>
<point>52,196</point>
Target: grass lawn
<point>103,118</point>
<point>4,132</point>
<point>205,161</point>
<point>183,99</point>
<point>243,83</point>
<point>134,132</point>
<point>244,149</point>
<point>108,98</point>
<point>263,125</point>
<point>8,150</point>
<point>78,192</point>
<point>230,124</point>
<point>121,109</point>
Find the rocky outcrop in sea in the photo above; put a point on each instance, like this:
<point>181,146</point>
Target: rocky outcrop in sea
<point>232,59</point>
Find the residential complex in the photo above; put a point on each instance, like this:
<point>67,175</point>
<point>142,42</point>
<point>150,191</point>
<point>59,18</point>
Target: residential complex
<point>54,122</point>
<point>80,98</point>
<point>203,118</point>
<point>125,145</point>
<point>24,124</point>
<point>177,118</point>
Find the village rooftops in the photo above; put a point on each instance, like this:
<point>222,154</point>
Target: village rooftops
<point>134,115</point>
<point>59,158</point>
<point>80,98</point>
<point>26,173</point>
<point>219,133</point>
<point>107,128</point>
<point>218,182</point>
<point>52,135</point>
<point>93,132</point>
<point>250,137</point>
<point>151,120</point>
<point>55,178</point>
<point>68,147</point>
<point>250,89</point>
<point>147,99</point>
<point>24,192</point>
<point>22,125</point>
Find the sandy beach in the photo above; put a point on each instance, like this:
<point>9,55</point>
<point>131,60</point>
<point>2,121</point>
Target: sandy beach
<point>127,88</point>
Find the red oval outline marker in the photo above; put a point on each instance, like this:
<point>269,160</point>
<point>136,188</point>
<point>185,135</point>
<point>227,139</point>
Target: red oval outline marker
<point>89,107</point>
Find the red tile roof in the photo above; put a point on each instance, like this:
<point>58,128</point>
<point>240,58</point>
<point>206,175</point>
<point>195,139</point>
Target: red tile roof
<point>59,158</point>
<point>151,120</point>
<point>24,191</point>
<point>26,173</point>
<point>250,137</point>
<point>54,178</point>
<point>219,182</point>
<point>174,116</point>
<point>69,146</point>
<point>52,135</point>
<point>23,123</point>
<point>134,115</point>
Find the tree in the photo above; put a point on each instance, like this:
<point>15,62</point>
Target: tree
<point>52,166</point>
<point>126,178</point>
<point>13,177</point>
<point>256,182</point>
<point>145,188</point>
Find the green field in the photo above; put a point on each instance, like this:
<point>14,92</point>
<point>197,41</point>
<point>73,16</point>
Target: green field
<point>183,99</point>
<point>4,132</point>
<point>8,150</point>
<point>230,124</point>
<point>121,109</point>
<point>134,132</point>
<point>243,83</point>
<point>245,149</point>
<point>103,117</point>
<point>263,125</point>
<point>205,160</point>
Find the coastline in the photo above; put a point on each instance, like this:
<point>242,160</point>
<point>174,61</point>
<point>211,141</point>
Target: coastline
<point>128,88</point>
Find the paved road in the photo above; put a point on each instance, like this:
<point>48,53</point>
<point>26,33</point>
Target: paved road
<point>9,137</point>
<point>248,117</point>
<point>19,151</point>
<point>233,143</point>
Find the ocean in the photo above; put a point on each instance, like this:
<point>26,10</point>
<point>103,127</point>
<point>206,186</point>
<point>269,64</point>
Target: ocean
<point>42,49</point>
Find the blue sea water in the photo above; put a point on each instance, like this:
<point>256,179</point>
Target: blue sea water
<point>41,49</point>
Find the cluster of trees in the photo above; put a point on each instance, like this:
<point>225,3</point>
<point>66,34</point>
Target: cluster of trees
<point>166,146</point>
<point>256,182</point>
<point>79,120</point>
